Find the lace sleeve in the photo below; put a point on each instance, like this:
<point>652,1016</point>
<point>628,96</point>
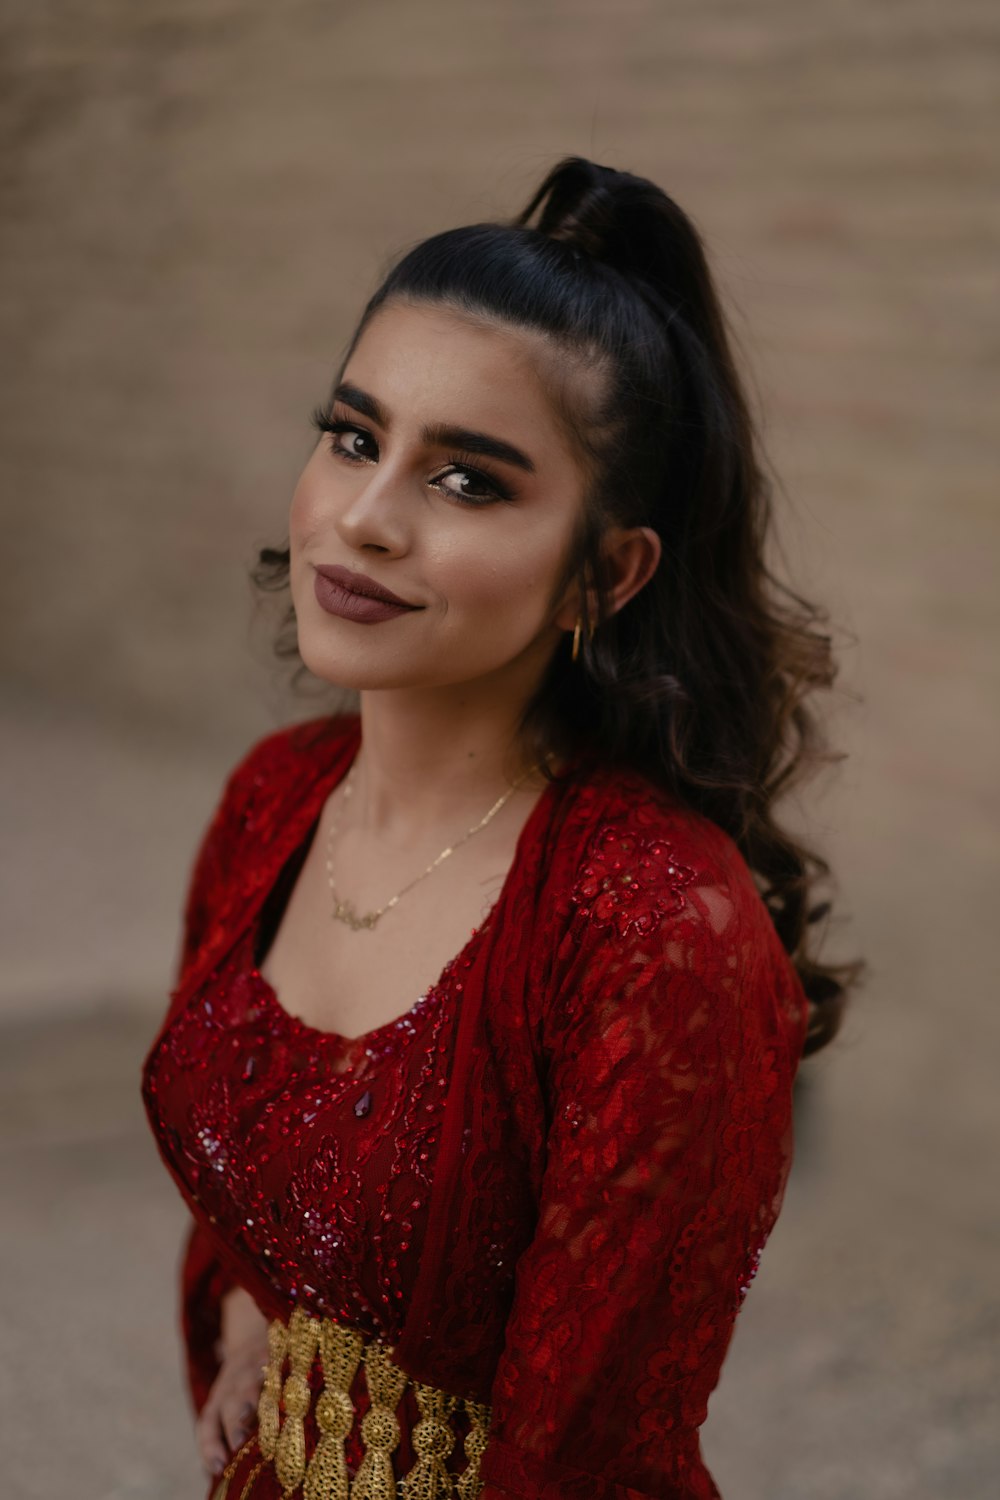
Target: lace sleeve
<point>203,1279</point>
<point>203,1284</point>
<point>669,1091</point>
<point>212,861</point>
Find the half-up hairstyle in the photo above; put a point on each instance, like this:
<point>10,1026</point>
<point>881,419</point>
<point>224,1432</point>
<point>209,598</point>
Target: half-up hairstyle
<point>700,679</point>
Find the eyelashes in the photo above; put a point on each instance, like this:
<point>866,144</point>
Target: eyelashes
<point>459,463</point>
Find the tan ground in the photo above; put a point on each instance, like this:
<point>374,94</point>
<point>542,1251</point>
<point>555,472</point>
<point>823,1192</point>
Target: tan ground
<point>194,199</point>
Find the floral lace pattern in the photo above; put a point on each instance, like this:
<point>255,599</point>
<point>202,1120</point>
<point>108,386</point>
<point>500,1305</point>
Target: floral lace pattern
<point>630,881</point>
<point>668,1153</point>
<point>552,1182</point>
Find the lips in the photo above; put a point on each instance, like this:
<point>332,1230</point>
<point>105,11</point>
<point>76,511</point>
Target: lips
<point>342,599</point>
<point>361,584</point>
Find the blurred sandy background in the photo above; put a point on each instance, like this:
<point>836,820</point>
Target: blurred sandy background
<point>195,199</point>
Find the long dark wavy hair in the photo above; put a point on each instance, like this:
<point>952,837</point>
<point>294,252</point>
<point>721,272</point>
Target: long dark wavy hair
<point>700,680</point>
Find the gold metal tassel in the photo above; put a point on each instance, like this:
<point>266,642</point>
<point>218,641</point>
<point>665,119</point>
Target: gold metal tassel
<point>290,1452</point>
<point>222,1488</point>
<point>340,1351</point>
<point>379,1426</point>
<point>267,1405</point>
<point>433,1439</point>
<point>251,1480</point>
<point>469,1484</point>
<point>285,1402</point>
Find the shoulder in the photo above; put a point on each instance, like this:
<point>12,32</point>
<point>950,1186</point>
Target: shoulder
<point>292,748</point>
<point>658,891</point>
<point>258,793</point>
<point>281,761</point>
<point>264,783</point>
<point>646,856</point>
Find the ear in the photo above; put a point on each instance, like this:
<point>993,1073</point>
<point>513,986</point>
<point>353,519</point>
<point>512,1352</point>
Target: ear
<point>631,555</point>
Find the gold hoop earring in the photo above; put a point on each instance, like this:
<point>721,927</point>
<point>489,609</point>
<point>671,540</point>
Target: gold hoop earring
<point>576,641</point>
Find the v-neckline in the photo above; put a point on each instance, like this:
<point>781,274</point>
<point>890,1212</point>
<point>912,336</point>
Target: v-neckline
<point>321,789</point>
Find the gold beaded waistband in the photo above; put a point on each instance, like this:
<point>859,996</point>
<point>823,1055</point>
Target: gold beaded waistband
<point>284,1405</point>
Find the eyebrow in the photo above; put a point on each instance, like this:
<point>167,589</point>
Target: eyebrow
<point>437,434</point>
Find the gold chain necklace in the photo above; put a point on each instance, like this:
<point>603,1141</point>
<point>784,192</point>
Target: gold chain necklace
<point>343,911</point>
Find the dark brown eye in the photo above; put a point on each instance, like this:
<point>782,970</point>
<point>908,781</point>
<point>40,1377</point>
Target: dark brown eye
<point>354,436</point>
<point>473,487</point>
<point>353,442</point>
<point>476,486</point>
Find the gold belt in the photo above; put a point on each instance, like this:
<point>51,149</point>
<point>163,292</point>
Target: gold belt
<point>325,1477</point>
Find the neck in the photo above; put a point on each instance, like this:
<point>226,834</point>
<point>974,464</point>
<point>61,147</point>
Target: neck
<point>416,769</point>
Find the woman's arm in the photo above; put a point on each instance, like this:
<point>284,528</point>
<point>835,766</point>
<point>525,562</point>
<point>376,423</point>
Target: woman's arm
<point>229,1410</point>
<point>242,1320</point>
<point>204,1284</point>
<point>670,1090</point>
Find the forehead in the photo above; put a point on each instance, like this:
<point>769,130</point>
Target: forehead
<point>431,363</point>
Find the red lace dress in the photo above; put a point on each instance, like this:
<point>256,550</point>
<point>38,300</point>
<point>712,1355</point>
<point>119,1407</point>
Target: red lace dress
<point>545,1187</point>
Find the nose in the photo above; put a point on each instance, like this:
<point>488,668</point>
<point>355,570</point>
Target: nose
<point>379,512</point>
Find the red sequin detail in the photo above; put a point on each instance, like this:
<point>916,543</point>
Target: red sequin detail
<point>630,881</point>
<point>324,1205</point>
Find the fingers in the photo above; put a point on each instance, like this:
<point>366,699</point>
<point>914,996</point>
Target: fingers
<point>224,1425</point>
<point>228,1415</point>
<point>237,1420</point>
<point>210,1439</point>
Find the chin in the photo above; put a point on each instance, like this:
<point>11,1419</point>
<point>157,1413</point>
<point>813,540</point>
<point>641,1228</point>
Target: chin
<point>344,667</point>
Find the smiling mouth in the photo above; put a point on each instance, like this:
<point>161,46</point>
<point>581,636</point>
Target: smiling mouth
<point>362,586</point>
<point>365,609</point>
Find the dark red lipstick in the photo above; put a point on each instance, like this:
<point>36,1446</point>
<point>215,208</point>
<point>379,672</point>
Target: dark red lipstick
<point>355,596</point>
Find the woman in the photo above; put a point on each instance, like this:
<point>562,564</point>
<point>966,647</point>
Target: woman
<point>495,1244</point>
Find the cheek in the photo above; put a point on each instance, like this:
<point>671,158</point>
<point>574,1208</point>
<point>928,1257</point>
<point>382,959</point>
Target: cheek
<point>306,508</point>
<point>506,578</point>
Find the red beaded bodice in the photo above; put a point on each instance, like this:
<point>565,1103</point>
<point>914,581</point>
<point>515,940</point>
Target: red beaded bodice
<point>311,1153</point>
<point>550,1181</point>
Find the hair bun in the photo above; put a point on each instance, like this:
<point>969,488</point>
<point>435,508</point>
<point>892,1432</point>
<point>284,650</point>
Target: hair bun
<point>609,215</point>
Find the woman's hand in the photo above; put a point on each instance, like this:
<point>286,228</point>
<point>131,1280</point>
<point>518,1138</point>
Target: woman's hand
<point>227,1417</point>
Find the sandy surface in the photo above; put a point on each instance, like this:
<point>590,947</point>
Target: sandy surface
<point>194,200</point>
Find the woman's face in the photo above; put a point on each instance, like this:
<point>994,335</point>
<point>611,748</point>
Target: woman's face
<point>450,483</point>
